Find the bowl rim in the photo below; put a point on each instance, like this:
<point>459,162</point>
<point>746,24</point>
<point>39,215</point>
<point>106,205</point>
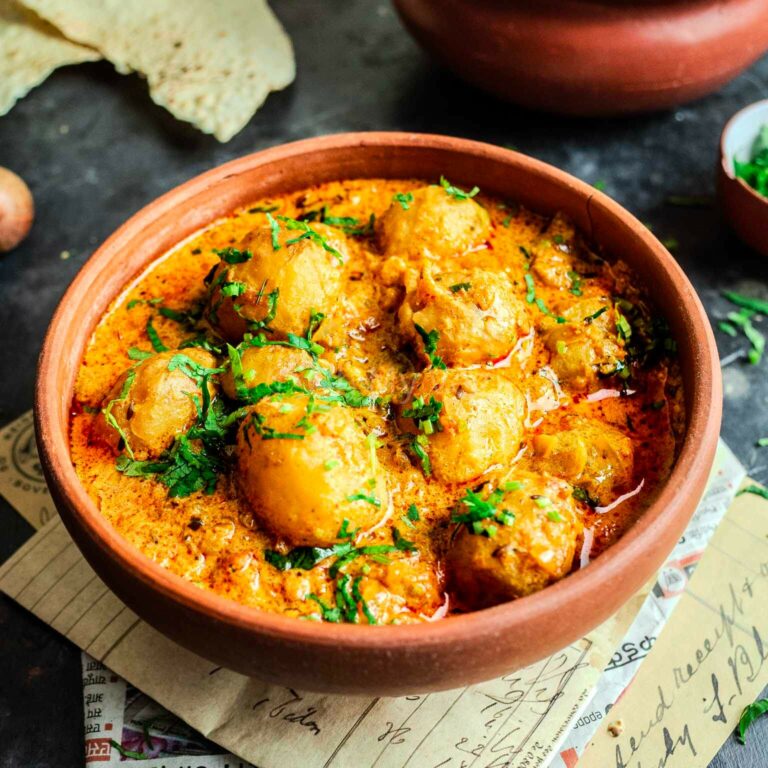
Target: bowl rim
<point>632,547</point>
<point>726,162</point>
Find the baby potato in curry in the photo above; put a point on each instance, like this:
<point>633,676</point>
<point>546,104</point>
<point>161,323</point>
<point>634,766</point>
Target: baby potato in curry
<point>305,274</point>
<point>154,401</point>
<point>476,314</point>
<point>305,467</point>
<point>378,402</point>
<point>529,541</point>
<point>429,223</point>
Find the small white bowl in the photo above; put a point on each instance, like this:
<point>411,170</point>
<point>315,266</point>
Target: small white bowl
<point>745,208</point>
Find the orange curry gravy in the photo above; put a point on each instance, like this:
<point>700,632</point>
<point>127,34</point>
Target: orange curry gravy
<point>604,422</point>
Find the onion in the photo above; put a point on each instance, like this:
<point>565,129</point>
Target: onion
<point>17,210</point>
<point>605,394</point>
<point>586,547</point>
<point>441,612</point>
<point>615,503</point>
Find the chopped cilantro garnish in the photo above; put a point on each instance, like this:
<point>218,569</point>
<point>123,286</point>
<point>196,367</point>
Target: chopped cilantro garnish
<point>757,490</point>
<point>591,318</point>
<point>582,494</point>
<point>456,192</point>
<point>263,324</point>
<point>357,596</point>
<point>505,223</point>
<point>361,496</point>
<point>544,309</point>
<point>402,543</point>
<point>328,613</point>
<point>233,289</point>
<point>135,302</point>
<point>331,464</point>
<point>233,255</point>
<point>541,501</point>
<point>417,446</point>
<point>747,302</point>
<point>413,513</point>
<point>430,340</point>
<point>154,337</point>
<point>575,279</point>
<point>530,296</point>
<point>755,170</point>
<point>749,715</point>
<point>263,209</point>
<point>303,558</point>
<point>308,233</point>
<point>134,353</point>
<point>404,198</point>
<point>348,224</point>
<point>554,516</point>
<point>599,185</point>
<point>425,414</point>
<point>755,337</point>
<point>109,417</point>
<point>274,227</point>
<point>189,367</point>
<point>623,327</point>
<point>671,243</point>
<point>762,442</point>
<point>456,287</point>
<point>475,511</point>
<point>727,328</point>
<point>174,314</point>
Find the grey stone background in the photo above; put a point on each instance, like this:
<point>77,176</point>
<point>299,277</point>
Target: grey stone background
<point>94,149</point>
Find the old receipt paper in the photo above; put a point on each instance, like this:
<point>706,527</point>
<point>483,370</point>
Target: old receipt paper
<point>708,664</point>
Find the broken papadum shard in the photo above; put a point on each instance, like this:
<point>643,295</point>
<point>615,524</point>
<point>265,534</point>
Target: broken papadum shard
<point>210,64</point>
<point>30,49</point>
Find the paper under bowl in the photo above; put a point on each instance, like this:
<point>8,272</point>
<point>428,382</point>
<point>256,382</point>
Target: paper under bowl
<point>350,658</point>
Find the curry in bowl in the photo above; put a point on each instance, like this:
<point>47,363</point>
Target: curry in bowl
<point>378,402</point>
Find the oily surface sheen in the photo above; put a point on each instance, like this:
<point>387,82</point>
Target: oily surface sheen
<point>519,399</point>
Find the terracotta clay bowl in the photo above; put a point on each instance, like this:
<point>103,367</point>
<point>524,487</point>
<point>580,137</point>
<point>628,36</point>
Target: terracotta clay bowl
<point>592,57</point>
<point>350,658</point>
<point>745,208</point>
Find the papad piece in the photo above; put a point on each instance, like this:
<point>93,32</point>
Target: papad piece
<point>30,49</point>
<point>209,62</point>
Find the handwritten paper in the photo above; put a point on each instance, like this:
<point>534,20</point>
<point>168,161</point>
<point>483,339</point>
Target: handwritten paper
<point>518,720</point>
<point>710,661</point>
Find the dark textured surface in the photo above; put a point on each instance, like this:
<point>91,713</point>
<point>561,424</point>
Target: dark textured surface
<point>94,149</point>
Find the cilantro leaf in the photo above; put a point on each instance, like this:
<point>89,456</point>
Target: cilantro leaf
<point>431,339</point>
<point>456,192</point>
<point>233,255</point>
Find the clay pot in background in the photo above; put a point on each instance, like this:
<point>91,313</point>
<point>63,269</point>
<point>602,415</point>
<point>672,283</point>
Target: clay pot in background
<point>592,57</point>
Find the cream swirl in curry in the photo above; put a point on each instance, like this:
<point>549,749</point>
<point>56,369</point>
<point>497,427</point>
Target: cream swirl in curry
<point>378,401</point>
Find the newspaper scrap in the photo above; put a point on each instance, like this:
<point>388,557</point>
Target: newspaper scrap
<point>519,720</point>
